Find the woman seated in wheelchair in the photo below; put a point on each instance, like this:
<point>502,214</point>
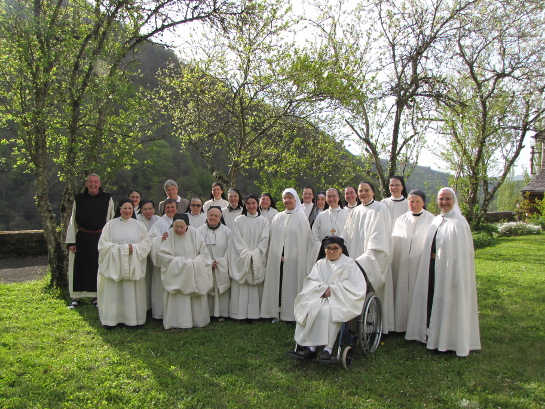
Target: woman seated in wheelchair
<point>333,293</point>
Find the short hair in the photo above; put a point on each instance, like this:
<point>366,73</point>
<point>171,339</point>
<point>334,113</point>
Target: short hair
<point>92,174</point>
<point>170,182</point>
<point>168,201</point>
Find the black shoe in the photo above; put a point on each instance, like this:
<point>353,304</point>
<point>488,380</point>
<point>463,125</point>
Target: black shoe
<point>307,353</point>
<point>325,355</point>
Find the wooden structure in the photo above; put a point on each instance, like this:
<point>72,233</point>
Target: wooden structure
<point>535,189</point>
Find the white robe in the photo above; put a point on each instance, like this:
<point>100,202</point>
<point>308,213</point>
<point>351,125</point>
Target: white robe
<point>409,235</point>
<point>367,234</point>
<point>289,232</point>
<point>186,271</point>
<point>396,207</point>
<point>221,203</point>
<point>149,268</point>
<point>328,220</point>
<point>157,290</point>
<point>247,263</point>
<point>122,276</point>
<point>454,323</point>
<point>230,216</point>
<point>269,213</point>
<point>197,221</point>
<point>71,238</point>
<point>218,242</point>
<point>319,319</point>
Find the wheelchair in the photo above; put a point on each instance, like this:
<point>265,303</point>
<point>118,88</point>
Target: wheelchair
<point>365,330</point>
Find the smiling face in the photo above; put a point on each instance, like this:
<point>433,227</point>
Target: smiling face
<point>180,227</point>
<point>233,198</point>
<point>289,201</point>
<point>172,192</point>
<point>216,192</point>
<point>332,198</point>
<point>416,204</point>
<point>320,202</point>
<point>251,206</point>
<point>196,206</point>
<point>213,217</point>
<point>308,196</point>
<point>135,197</point>
<point>170,209</point>
<point>265,202</point>
<point>93,185</point>
<point>365,193</point>
<point>396,187</point>
<point>148,211</point>
<point>350,196</point>
<point>445,201</point>
<point>127,210</point>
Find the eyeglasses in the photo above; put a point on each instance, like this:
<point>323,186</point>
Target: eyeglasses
<point>196,205</point>
<point>332,248</point>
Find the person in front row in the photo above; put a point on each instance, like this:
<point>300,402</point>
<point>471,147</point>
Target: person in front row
<point>186,272</point>
<point>333,293</point>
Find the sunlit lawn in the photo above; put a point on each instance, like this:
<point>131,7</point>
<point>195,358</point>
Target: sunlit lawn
<point>53,357</point>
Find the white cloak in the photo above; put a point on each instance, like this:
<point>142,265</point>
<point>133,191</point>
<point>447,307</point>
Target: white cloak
<point>269,213</point>
<point>409,236</point>
<point>221,203</point>
<point>197,221</point>
<point>186,272</point>
<point>396,207</point>
<point>319,319</point>
<point>328,220</point>
<point>289,232</point>
<point>454,323</point>
<point>121,276</point>
<point>157,290</point>
<point>217,243</point>
<point>368,238</point>
<point>247,263</point>
<point>149,268</point>
<point>230,216</point>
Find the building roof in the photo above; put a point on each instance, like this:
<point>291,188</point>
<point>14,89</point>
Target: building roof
<point>537,184</point>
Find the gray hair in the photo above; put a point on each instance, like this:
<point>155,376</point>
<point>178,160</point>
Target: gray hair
<point>170,182</point>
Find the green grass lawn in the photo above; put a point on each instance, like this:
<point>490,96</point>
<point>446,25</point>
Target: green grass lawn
<point>54,357</point>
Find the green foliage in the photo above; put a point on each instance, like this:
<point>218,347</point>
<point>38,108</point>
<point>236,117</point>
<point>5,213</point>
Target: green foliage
<point>53,357</point>
<point>482,239</point>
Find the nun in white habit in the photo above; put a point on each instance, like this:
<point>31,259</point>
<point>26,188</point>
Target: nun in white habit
<point>217,238</point>
<point>330,222</point>
<point>247,261</point>
<point>267,207</point>
<point>397,203</point>
<point>368,236</point>
<point>444,313</point>
<point>409,235</point>
<point>159,233</point>
<point>148,217</point>
<point>234,209</point>
<point>287,259</point>
<point>333,293</point>
<point>123,250</point>
<point>186,272</point>
<point>197,217</point>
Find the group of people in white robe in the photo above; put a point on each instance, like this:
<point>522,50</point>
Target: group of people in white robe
<point>229,258</point>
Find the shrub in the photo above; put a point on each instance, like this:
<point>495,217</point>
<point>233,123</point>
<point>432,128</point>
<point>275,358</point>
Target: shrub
<point>482,239</point>
<point>517,229</point>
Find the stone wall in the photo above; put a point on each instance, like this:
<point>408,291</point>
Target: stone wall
<point>22,243</point>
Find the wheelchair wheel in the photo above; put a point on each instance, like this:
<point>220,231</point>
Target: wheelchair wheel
<point>347,357</point>
<point>370,324</point>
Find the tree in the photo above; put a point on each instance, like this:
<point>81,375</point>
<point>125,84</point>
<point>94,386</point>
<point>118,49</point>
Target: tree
<point>235,99</point>
<point>380,64</point>
<point>65,89</point>
<point>498,85</point>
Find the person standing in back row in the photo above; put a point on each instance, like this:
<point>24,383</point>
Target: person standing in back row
<point>171,189</point>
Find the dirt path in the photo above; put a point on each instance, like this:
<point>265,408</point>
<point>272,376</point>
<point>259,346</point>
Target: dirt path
<point>17,270</point>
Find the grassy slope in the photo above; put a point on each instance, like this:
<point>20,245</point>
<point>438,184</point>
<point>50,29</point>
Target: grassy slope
<point>53,357</point>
